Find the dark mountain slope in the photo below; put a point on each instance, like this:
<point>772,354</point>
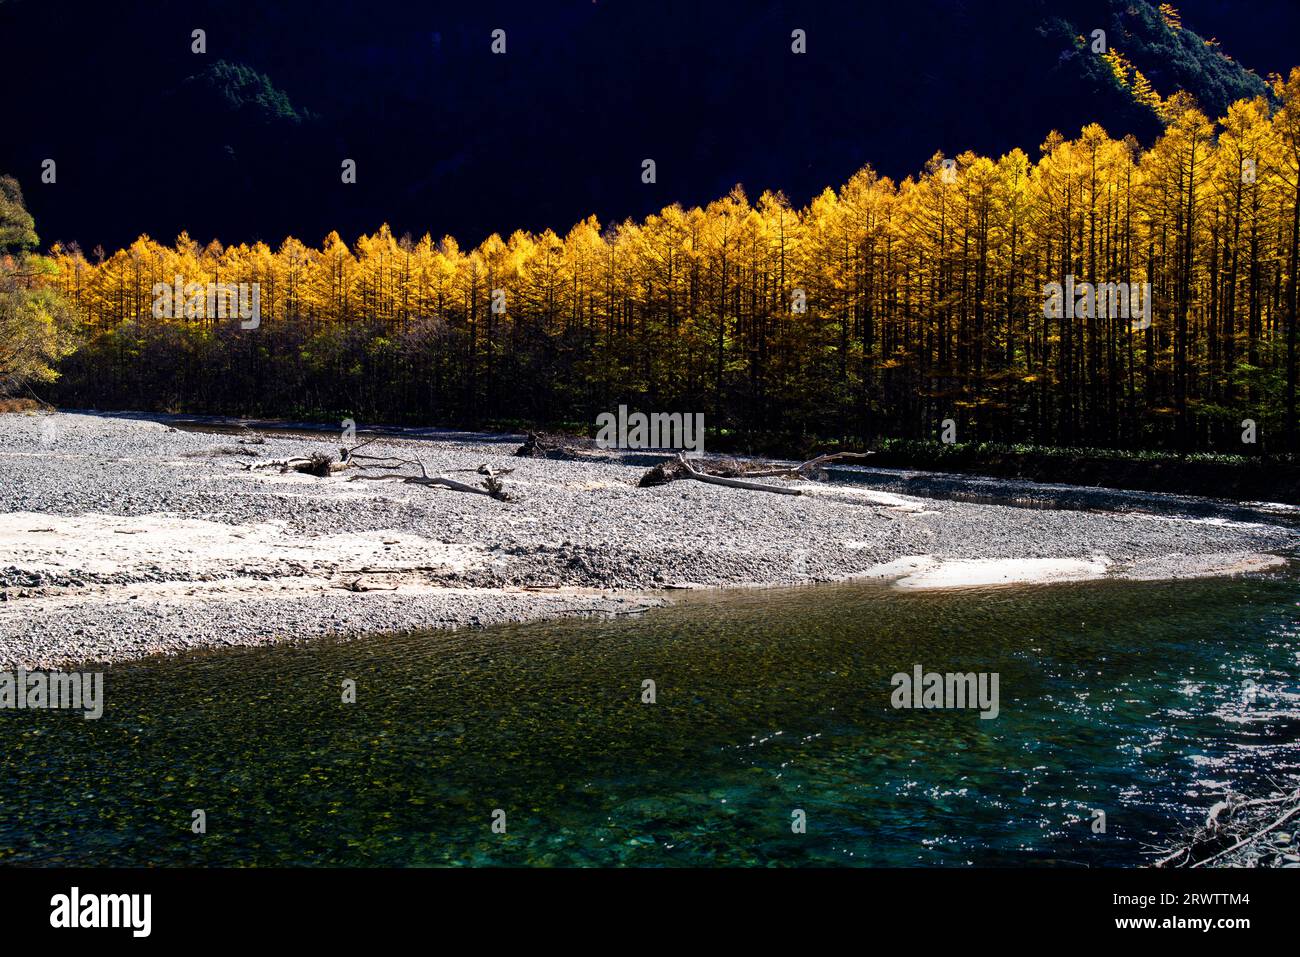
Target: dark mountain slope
<point>246,140</point>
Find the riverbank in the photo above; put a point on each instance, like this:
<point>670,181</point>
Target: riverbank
<point>122,537</point>
<point>1242,832</point>
<point>1240,477</point>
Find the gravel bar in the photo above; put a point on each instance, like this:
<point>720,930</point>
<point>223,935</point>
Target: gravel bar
<point>123,536</point>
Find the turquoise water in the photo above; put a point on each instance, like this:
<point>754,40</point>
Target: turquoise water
<point>1125,697</point>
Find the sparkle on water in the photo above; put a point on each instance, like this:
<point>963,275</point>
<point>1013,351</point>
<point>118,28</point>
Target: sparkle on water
<point>1125,697</point>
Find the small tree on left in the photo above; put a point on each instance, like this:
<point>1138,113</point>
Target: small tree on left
<point>35,321</point>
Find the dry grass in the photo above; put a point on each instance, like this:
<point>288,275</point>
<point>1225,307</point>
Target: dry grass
<point>22,405</point>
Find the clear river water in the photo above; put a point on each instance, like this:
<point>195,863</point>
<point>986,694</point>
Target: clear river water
<point>1142,700</point>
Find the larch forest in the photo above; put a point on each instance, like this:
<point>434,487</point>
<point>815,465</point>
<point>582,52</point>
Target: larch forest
<point>881,308</point>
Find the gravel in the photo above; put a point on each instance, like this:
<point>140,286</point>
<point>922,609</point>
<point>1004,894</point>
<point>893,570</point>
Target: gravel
<point>125,536</point>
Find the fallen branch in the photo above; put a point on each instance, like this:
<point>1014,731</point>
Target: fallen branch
<point>811,467</point>
<point>484,469</point>
<point>491,486</point>
<point>323,466</point>
<point>317,464</point>
<point>1252,838</point>
<point>731,482</point>
<point>1225,834</point>
<point>548,445</point>
<point>734,474</point>
<point>496,493</point>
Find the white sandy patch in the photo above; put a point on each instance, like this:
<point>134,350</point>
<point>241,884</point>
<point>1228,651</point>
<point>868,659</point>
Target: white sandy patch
<point>866,496</point>
<point>925,571</point>
<point>112,544</point>
<point>983,572</point>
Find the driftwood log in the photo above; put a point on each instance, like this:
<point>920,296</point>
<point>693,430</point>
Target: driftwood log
<point>812,467</point>
<point>692,472</point>
<point>491,485</point>
<point>351,460</point>
<point>734,474</point>
<point>555,445</point>
<point>318,464</point>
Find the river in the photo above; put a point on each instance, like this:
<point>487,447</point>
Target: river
<point>772,738</point>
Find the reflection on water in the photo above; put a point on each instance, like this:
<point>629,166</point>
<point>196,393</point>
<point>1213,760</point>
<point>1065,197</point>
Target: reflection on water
<point>1125,697</point>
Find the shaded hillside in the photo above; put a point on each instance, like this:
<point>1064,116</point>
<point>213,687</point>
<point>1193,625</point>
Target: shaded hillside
<point>451,138</point>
